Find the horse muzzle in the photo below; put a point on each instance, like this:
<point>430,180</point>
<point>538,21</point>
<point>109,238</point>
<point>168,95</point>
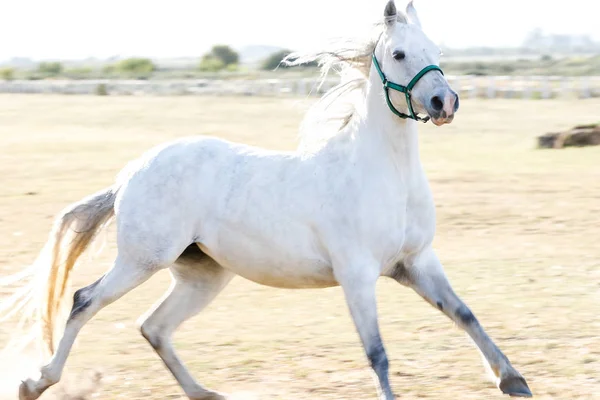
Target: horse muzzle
<point>442,107</point>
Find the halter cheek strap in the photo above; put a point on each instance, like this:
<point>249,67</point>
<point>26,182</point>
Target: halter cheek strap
<point>407,90</point>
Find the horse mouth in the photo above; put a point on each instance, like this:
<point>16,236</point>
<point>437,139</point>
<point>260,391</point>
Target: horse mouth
<point>442,120</point>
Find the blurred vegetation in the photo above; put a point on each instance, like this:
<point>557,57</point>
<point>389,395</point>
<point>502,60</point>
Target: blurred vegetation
<point>223,62</point>
<point>101,90</point>
<point>7,74</point>
<point>232,68</point>
<point>544,65</point>
<point>79,73</point>
<point>226,54</point>
<point>220,57</point>
<point>138,68</point>
<point>210,64</point>
<point>274,60</point>
<point>135,65</point>
<point>50,69</point>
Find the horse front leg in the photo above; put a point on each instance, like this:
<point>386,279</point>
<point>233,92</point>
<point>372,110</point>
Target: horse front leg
<point>358,283</point>
<point>425,275</point>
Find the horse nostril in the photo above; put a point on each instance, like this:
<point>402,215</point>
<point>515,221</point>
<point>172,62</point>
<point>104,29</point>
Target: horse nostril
<point>456,103</point>
<point>437,103</point>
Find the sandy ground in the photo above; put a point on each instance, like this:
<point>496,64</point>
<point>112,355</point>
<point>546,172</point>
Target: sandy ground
<point>518,231</point>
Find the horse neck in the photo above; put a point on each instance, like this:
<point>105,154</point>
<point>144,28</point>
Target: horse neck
<point>385,134</point>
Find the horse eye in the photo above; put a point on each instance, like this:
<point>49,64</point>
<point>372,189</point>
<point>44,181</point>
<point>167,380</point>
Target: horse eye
<point>398,55</point>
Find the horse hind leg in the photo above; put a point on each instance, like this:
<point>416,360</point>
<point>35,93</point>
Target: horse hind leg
<point>122,278</point>
<point>197,280</point>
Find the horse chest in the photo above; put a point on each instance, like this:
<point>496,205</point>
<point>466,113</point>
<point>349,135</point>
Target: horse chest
<point>419,229</point>
<point>406,224</point>
<point>397,226</point>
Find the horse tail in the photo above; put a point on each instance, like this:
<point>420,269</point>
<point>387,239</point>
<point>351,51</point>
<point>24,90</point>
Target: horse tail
<point>41,288</point>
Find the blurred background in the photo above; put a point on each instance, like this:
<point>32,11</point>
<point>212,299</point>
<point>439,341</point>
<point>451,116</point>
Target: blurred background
<point>86,87</point>
<point>522,48</point>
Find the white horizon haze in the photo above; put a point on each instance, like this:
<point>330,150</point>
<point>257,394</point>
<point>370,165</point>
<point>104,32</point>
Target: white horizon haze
<point>75,29</point>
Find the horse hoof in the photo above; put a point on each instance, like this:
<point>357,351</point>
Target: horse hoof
<point>27,390</point>
<point>515,386</point>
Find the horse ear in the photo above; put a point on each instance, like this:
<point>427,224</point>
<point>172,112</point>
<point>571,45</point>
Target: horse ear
<point>412,14</point>
<point>390,14</point>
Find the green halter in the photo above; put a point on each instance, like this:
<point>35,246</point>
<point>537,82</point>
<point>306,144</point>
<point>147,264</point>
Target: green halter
<point>387,85</point>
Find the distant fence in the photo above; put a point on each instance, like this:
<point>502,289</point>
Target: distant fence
<point>530,87</point>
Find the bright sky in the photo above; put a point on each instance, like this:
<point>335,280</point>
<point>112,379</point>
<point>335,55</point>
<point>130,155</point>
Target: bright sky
<point>157,28</point>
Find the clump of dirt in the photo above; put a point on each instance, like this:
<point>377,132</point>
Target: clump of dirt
<point>79,387</point>
<point>17,367</point>
<point>579,136</point>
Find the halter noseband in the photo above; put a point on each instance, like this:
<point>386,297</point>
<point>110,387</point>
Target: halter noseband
<point>387,85</point>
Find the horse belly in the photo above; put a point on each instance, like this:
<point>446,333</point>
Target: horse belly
<point>275,262</point>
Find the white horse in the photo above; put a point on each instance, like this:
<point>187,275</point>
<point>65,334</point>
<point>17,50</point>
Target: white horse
<point>343,210</point>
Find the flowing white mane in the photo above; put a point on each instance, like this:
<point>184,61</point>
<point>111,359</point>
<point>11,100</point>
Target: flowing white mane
<point>339,106</point>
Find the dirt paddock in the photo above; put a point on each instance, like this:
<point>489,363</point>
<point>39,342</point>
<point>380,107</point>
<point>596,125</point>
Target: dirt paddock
<point>518,231</point>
